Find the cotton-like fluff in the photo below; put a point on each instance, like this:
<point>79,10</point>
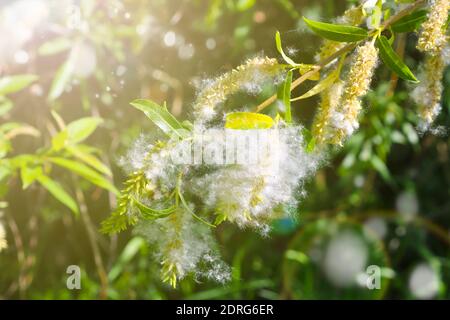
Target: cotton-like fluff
<point>136,156</point>
<point>184,246</point>
<point>247,77</point>
<point>251,194</point>
<point>153,159</point>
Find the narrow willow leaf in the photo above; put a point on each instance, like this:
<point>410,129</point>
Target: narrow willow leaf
<point>248,121</point>
<point>14,84</point>
<point>58,192</point>
<point>302,68</point>
<point>129,252</point>
<point>5,106</point>
<point>410,22</point>
<point>381,167</point>
<point>81,129</point>
<point>160,117</point>
<point>309,140</point>
<point>23,129</point>
<point>186,206</point>
<point>29,175</point>
<point>61,79</point>
<point>54,46</point>
<point>89,159</point>
<point>152,214</point>
<point>288,60</point>
<point>59,140</point>
<point>284,95</point>
<point>393,61</point>
<point>321,86</point>
<point>4,128</point>
<point>84,172</point>
<point>341,33</point>
<point>243,5</point>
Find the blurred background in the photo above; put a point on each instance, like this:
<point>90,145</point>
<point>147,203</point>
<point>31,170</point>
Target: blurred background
<point>382,200</point>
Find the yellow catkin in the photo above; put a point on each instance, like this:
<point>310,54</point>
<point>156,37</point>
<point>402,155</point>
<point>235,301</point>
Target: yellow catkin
<point>429,92</point>
<point>329,101</point>
<point>170,269</point>
<point>231,82</point>
<point>432,38</point>
<point>345,120</point>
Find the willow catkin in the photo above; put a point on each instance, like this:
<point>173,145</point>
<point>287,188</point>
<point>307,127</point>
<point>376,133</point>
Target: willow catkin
<point>432,41</point>
<point>329,102</point>
<point>345,119</point>
<point>432,37</point>
<point>253,71</point>
<point>429,92</point>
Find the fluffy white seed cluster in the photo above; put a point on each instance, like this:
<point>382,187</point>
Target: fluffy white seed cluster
<point>184,246</point>
<point>245,194</point>
<point>251,195</point>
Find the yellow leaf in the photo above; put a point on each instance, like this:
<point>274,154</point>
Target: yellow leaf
<point>248,121</point>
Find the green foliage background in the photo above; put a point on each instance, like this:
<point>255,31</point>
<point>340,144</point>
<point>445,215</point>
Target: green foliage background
<point>382,161</point>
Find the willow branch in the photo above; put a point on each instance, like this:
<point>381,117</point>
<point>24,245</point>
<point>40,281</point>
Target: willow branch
<point>349,47</point>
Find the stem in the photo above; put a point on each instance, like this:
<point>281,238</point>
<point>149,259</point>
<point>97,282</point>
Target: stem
<point>325,62</point>
<point>92,240</point>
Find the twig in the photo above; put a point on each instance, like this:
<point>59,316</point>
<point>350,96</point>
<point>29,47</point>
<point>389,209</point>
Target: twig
<point>325,62</point>
<point>92,240</point>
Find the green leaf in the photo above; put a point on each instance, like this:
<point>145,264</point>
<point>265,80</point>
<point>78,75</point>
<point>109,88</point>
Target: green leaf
<point>13,84</point>
<point>341,33</point>
<point>302,68</point>
<point>284,94</point>
<point>59,140</point>
<point>84,172</point>
<point>129,252</point>
<point>410,22</point>
<point>248,121</point>
<point>288,60</point>
<point>61,79</point>
<point>243,5</point>
<point>5,106</point>
<point>321,86</point>
<point>381,167</point>
<point>81,129</point>
<point>152,214</point>
<point>54,46</point>
<point>89,159</point>
<point>5,169</point>
<point>29,175</point>
<point>160,117</point>
<point>393,61</point>
<point>309,140</point>
<point>58,192</point>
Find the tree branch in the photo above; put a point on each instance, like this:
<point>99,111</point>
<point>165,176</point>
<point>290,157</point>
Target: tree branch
<point>325,62</point>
